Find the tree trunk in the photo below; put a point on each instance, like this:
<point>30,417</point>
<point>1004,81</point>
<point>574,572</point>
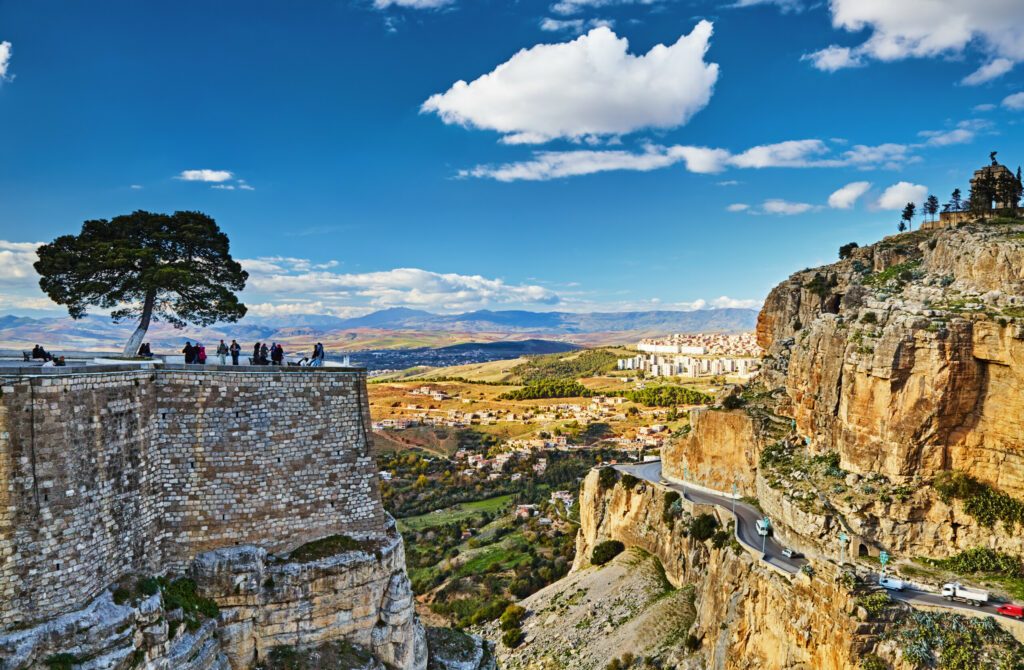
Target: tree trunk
<point>131,349</point>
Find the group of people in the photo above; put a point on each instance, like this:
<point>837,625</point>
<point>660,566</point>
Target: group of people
<point>264,355</point>
<point>49,361</point>
<point>195,354</point>
<point>38,352</point>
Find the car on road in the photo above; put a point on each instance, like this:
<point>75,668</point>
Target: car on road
<point>1013,611</point>
<point>791,553</point>
<point>763,526</point>
<point>892,583</point>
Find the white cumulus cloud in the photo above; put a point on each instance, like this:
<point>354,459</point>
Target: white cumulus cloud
<point>591,86</point>
<point>898,195</point>
<point>738,207</point>
<point>928,28</point>
<point>215,176</point>
<point>847,196</point>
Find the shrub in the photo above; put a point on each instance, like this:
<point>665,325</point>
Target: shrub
<point>703,527</point>
<point>869,317</point>
<point>606,551</point>
<point>671,506</point>
<point>846,250</point>
<point>983,559</point>
<point>61,661</point>
<point>512,617</point>
<point>512,638</point>
<point>692,642</point>
<point>733,402</point>
<point>629,481</point>
<point>607,477</point>
<point>981,501</point>
<point>873,662</point>
<point>875,603</point>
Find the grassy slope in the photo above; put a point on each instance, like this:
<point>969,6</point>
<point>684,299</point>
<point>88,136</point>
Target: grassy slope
<point>455,513</point>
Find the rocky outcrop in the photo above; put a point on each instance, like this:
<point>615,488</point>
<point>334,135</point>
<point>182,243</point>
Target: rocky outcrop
<point>362,596</point>
<point>906,358</point>
<point>747,616</point>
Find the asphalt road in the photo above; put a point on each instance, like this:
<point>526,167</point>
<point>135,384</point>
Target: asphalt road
<point>747,516</point>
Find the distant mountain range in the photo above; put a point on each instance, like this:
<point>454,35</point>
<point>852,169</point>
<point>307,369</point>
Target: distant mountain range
<point>520,321</point>
<point>386,329</point>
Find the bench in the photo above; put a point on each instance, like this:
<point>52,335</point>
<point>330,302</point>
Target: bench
<point>26,356</point>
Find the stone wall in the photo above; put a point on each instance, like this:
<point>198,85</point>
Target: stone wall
<point>105,474</point>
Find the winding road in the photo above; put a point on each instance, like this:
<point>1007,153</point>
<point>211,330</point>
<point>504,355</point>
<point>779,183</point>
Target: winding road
<point>746,532</point>
<point>746,515</point>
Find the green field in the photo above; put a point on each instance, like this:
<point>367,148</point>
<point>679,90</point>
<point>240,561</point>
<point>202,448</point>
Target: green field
<point>454,513</point>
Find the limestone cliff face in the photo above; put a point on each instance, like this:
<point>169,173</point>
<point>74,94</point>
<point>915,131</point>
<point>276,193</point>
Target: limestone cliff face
<point>721,449</point>
<point>747,615</point>
<point>906,358</point>
<point>361,596</point>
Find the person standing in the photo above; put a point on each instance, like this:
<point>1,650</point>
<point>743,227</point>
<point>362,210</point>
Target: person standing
<point>189,352</point>
<point>200,354</point>
<point>235,349</point>
<point>222,353</point>
<point>318,355</point>
<point>276,354</point>
<point>256,354</point>
<point>264,353</point>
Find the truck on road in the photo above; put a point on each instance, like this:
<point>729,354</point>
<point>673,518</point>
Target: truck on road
<point>763,526</point>
<point>957,591</point>
<point>891,583</point>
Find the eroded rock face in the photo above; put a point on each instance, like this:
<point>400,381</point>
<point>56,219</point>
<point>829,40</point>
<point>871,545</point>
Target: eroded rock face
<point>907,357</point>
<point>360,596</point>
<point>363,597</point>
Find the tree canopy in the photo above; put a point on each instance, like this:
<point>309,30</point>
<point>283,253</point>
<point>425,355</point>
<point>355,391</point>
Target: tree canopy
<point>176,267</point>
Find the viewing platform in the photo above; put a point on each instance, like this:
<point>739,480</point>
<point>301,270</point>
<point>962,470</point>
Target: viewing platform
<point>12,366</point>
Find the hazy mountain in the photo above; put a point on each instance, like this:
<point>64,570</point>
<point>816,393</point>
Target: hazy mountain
<point>385,329</point>
<point>706,320</point>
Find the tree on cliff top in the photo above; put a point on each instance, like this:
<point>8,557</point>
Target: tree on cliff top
<point>145,266</point>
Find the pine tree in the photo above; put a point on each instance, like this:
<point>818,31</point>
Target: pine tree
<point>955,203</point>
<point>931,206</point>
<point>175,267</point>
<point>908,214</point>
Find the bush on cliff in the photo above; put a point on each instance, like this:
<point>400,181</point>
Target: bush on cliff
<point>980,500</point>
<point>983,559</point>
<point>608,477</point>
<point>671,508</point>
<point>512,617</point>
<point>606,551</point>
<point>512,638</point>
<point>702,527</point>
<point>629,481</point>
<point>182,594</point>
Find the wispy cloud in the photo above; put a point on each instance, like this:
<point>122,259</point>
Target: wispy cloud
<point>5,61</point>
<point>206,175</point>
<point>847,196</point>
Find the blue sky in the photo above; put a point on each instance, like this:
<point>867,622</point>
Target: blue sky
<point>330,139</point>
